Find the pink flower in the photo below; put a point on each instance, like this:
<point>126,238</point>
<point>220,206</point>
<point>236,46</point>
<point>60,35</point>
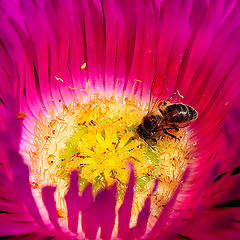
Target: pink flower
<point>193,44</point>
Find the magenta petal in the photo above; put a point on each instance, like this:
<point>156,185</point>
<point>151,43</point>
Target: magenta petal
<point>155,185</point>
<point>90,222</point>
<point>142,220</point>
<point>214,224</point>
<point>143,216</point>
<point>86,201</point>
<point>162,221</point>
<point>11,228</point>
<point>72,201</point>
<point>50,204</point>
<point>14,219</point>
<point>13,127</point>
<point>22,186</point>
<point>101,213</point>
<point>124,213</point>
<point>106,201</point>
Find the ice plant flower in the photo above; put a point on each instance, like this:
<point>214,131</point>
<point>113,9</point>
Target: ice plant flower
<point>75,80</point>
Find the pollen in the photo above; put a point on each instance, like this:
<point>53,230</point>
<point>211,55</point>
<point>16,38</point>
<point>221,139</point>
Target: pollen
<point>21,115</point>
<point>96,134</point>
<point>58,79</point>
<point>83,66</point>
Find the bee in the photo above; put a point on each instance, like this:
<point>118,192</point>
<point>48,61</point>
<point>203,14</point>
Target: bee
<point>163,115</point>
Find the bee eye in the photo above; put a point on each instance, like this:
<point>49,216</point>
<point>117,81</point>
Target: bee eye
<point>165,103</point>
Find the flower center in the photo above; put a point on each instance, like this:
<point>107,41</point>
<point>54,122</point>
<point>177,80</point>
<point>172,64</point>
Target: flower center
<point>97,135</point>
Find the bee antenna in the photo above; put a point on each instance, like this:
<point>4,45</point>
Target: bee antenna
<point>149,145</point>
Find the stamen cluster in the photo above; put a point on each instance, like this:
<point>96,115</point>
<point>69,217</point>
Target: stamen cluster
<point>98,137</point>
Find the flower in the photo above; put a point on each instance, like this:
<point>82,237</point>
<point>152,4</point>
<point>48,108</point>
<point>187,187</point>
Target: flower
<point>50,49</point>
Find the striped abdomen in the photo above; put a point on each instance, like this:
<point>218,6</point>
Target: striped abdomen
<point>179,114</point>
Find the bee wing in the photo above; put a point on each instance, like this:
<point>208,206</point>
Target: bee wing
<point>158,92</point>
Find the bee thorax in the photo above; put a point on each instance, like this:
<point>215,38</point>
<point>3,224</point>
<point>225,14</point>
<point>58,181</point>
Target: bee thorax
<point>151,123</point>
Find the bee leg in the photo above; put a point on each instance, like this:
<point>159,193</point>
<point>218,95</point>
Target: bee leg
<point>169,134</point>
<point>172,97</point>
<point>180,97</point>
<point>175,128</point>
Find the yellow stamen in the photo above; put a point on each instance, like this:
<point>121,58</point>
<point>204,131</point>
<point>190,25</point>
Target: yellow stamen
<point>98,137</point>
<point>74,88</point>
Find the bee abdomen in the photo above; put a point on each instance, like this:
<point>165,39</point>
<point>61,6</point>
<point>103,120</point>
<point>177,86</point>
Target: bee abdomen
<point>180,113</point>
<point>192,113</point>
